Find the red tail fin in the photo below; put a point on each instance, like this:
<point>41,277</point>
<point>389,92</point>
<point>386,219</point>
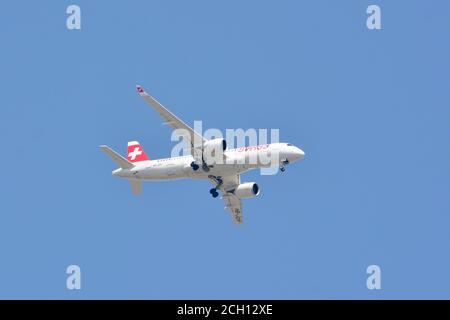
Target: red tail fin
<point>135,152</point>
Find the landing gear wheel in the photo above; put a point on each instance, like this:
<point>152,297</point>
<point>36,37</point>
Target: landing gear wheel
<point>218,180</point>
<point>282,169</point>
<point>214,193</point>
<point>194,166</point>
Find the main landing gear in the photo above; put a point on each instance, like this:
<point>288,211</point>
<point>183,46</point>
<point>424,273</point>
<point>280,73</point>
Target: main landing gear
<point>205,167</point>
<point>194,166</point>
<point>214,192</point>
<point>284,163</point>
<point>219,183</point>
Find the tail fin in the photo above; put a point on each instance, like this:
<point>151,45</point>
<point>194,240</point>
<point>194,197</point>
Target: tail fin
<point>117,158</point>
<point>135,152</point>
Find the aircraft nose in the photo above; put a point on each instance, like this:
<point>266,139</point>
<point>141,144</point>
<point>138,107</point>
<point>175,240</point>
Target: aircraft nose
<point>298,153</point>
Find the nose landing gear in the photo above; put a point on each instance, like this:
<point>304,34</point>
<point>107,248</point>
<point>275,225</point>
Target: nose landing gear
<point>284,163</point>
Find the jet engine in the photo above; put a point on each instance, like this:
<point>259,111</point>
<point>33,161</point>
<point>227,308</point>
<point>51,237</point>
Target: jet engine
<point>213,151</point>
<point>247,190</point>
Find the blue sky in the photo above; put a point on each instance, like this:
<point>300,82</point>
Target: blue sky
<point>371,109</point>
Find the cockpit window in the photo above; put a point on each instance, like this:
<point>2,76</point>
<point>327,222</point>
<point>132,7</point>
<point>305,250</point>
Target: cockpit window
<point>289,144</point>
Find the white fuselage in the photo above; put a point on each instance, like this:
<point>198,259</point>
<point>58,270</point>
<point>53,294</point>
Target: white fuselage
<point>236,161</point>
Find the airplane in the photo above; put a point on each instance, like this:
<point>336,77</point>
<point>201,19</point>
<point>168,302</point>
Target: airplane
<point>225,175</point>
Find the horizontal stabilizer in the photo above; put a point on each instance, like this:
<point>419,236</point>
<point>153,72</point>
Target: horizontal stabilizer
<point>117,158</point>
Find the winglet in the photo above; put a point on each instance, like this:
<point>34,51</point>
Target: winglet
<point>141,90</point>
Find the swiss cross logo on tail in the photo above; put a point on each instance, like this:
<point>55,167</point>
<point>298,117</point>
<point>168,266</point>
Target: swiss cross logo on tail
<point>135,152</point>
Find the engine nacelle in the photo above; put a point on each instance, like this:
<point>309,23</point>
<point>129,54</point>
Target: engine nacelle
<point>213,151</point>
<point>247,190</point>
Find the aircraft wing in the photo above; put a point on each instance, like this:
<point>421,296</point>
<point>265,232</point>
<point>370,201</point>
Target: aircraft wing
<point>232,202</point>
<point>192,138</point>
